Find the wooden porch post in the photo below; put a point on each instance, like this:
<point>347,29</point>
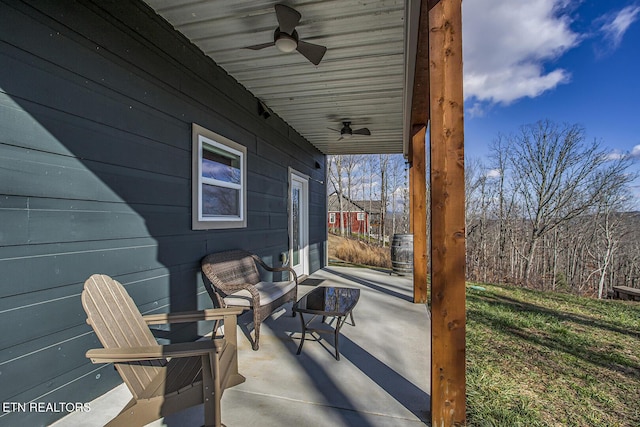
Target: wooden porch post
<point>418,181</point>
<point>411,208</point>
<point>447,215</point>
<point>417,155</point>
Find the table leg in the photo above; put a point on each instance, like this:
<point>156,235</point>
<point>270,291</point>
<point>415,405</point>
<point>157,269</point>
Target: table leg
<point>304,332</point>
<point>340,321</point>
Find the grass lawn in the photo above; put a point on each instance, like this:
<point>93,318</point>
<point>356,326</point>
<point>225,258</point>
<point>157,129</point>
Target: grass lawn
<point>549,359</point>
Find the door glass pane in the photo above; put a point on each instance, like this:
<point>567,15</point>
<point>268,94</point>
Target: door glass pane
<point>295,226</point>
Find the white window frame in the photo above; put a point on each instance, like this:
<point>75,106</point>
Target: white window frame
<point>200,138</point>
<point>360,216</point>
<point>332,217</point>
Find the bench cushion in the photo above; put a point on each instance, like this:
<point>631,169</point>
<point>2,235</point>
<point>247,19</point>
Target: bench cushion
<point>269,291</point>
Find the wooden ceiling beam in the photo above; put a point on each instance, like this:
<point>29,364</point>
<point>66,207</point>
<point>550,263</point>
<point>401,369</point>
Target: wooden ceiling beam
<point>432,3</point>
<point>420,90</point>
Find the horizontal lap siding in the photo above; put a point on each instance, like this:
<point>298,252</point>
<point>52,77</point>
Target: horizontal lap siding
<point>96,105</point>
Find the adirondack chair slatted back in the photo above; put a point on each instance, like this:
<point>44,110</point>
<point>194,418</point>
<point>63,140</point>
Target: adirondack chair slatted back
<point>118,323</point>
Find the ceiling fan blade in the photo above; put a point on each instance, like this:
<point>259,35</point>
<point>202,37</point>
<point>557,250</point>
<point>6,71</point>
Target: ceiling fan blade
<point>363,131</point>
<point>312,52</point>
<point>336,130</point>
<point>287,17</point>
<point>260,46</point>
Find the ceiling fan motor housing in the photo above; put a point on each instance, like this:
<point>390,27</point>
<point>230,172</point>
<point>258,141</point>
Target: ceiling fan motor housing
<point>346,131</point>
<point>285,42</point>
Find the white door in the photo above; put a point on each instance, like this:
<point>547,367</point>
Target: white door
<point>299,223</point>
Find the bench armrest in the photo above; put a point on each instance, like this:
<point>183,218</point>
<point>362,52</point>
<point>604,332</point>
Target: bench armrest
<point>155,352</point>
<point>264,265</point>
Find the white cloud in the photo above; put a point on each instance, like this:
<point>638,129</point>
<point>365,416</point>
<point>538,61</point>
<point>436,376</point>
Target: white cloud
<point>493,173</point>
<point>477,110</point>
<point>615,25</point>
<point>614,155</point>
<point>618,154</point>
<point>399,192</point>
<point>508,45</point>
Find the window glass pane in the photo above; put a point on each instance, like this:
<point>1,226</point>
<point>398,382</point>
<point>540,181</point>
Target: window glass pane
<point>220,165</point>
<point>220,201</point>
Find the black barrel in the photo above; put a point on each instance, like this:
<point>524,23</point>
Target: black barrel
<point>402,254</point>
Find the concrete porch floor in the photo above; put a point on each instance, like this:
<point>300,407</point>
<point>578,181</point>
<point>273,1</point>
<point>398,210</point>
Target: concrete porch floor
<point>382,378</point>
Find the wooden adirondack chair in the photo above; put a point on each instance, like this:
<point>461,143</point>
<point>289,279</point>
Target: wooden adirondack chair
<point>163,379</point>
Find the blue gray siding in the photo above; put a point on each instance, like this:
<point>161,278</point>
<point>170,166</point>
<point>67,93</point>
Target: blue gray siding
<point>96,105</point>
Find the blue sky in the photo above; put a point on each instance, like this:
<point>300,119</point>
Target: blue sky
<point>573,61</point>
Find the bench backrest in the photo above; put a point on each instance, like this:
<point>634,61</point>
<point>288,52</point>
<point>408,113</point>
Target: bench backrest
<point>230,268</point>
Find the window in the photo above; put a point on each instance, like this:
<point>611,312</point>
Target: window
<point>219,181</point>
<point>332,218</point>
<point>360,216</point>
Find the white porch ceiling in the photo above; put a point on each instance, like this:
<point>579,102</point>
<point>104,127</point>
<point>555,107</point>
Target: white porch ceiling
<point>360,79</point>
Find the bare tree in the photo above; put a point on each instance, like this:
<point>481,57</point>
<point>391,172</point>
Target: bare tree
<point>559,177</point>
<point>472,177</point>
<point>396,185</point>
<point>335,176</point>
<point>383,164</point>
<point>608,224</point>
<point>351,163</point>
<point>369,162</point>
<point>505,199</point>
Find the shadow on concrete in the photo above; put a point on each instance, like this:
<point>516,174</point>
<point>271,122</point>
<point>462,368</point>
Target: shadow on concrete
<point>378,286</point>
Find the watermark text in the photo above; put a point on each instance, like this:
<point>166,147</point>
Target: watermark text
<point>45,407</point>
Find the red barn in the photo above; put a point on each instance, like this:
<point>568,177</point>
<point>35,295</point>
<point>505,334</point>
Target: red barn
<point>358,216</point>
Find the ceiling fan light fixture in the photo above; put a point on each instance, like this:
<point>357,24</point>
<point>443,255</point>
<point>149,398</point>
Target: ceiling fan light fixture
<point>285,43</point>
<point>347,132</point>
<point>286,38</point>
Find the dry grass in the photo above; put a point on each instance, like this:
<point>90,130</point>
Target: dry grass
<point>357,252</point>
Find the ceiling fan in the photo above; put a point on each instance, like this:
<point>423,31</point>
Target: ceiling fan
<point>346,132</point>
<point>286,38</point>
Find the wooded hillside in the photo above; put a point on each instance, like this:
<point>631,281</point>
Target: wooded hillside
<point>547,209</point>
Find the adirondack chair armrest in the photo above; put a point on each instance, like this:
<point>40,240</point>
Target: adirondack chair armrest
<point>192,316</point>
<point>137,354</point>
